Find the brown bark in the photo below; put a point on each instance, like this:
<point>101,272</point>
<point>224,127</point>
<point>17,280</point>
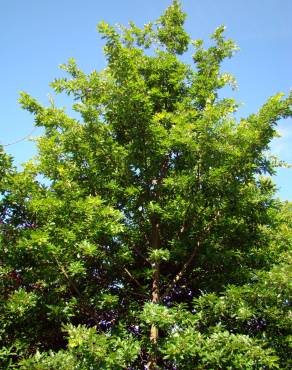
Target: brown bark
<point>154,332</point>
<point>155,299</point>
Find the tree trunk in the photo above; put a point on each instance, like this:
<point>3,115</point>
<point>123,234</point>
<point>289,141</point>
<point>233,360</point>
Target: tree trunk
<point>155,299</point>
<point>154,333</point>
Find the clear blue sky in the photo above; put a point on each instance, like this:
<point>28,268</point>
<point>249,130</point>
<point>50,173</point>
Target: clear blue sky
<point>36,36</point>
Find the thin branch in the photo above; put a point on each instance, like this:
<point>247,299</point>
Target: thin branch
<point>71,282</point>
<point>132,277</point>
<point>21,139</point>
<point>140,295</point>
<point>179,275</point>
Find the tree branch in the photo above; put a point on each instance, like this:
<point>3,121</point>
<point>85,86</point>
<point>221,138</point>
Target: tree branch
<point>141,255</point>
<point>132,277</point>
<point>179,275</point>
<point>70,281</point>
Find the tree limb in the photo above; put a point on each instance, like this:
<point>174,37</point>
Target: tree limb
<point>70,281</point>
<point>132,277</point>
<point>179,275</point>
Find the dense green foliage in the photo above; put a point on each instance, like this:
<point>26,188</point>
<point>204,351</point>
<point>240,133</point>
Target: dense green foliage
<point>146,232</point>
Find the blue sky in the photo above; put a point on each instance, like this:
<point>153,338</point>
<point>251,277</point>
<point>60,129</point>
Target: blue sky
<point>36,36</point>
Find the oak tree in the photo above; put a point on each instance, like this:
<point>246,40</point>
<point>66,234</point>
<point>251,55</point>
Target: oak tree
<point>146,232</point>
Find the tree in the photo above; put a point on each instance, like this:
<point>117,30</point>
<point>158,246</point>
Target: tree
<point>146,232</point>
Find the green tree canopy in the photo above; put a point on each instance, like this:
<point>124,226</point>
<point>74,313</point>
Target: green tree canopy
<point>146,232</point>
